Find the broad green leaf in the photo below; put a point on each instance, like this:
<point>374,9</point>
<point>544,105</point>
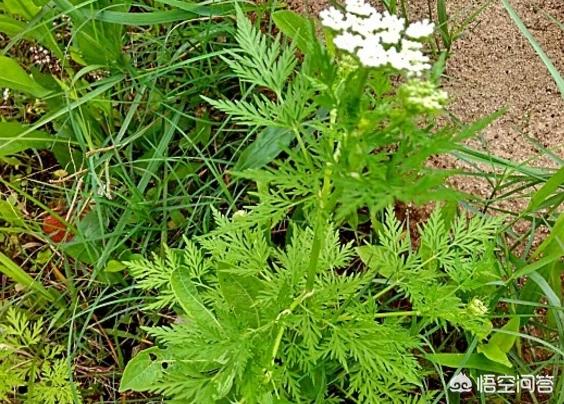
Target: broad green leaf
<point>268,145</point>
<point>299,28</point>
<point>86,246</point>
<point>187,296</point>
<point>550,271</point>
<point>143,371</point>
<point>14,138</point>
<point>505,341</point>
<point>495,354</point>
<point>10,214</point>
<point>366,255</point>
<point>474,361</point>
<point>149,18</point>
<point>11,26</point>
<point>551,186</point>
<point>211,9</point>
<point>115,266</point>
<point>240,292</point>
<point>15,78</point>
<point>553,245</point>
<point>39,31</point>
<point>23,8</point>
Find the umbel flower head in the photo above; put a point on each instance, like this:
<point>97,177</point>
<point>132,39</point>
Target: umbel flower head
<point>379,39</point>
<point>422,96</point>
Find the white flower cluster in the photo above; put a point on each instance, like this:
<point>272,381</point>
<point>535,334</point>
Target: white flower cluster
<point>378,39</point>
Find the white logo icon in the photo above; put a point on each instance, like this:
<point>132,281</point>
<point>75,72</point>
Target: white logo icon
<point>460,383</point>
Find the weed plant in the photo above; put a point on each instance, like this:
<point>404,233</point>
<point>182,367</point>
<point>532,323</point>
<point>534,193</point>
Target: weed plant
<point>263,177</point>
<point>263,319</point>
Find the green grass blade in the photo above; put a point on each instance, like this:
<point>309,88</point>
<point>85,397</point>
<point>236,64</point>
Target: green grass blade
<point>552,185</point>
<point>443,23</point>
<point>18,275</point>
<point>151,18</point>
<point>536,46</point>
<point>471,155</point>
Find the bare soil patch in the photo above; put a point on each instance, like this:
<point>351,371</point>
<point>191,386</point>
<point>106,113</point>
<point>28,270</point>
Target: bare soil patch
<point>493,66</point>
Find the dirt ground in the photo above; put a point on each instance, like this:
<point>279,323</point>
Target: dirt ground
<point>493,66</point>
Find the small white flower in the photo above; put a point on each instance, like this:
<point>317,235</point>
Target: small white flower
<point>6,94</point>
<point>393,22</point>
<point>334,19</point>
<point>415,56</point>
<point>411,45</point>
<point>358,24</point>
<point>359,7</point>
<point>373,55</point>
<point>378,39</point>
<point>348,42</point>
<point>373,23</point>
<point>397,60</point>
<point>390,37</point>
<point>420,29</point>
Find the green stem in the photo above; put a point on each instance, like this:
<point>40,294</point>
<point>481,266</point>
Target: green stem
<point>302,145</point>
<point>290,310</point>
<point>385,290</point>
<point>397,314</point>
<point>315,253</point>
<point>319,227</point>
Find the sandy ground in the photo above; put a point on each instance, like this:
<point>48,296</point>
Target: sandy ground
<point>493,66</point>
